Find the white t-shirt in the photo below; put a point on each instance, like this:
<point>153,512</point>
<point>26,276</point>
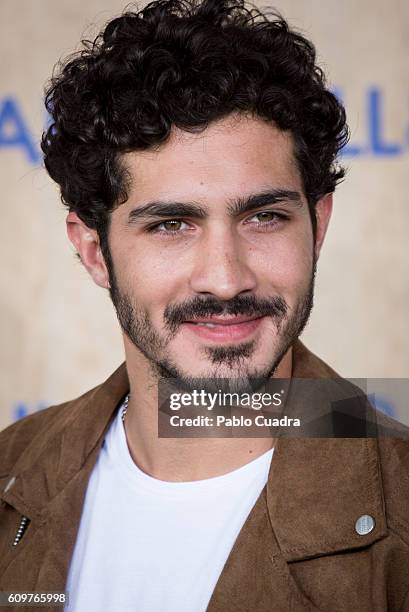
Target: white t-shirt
<point>148,545</point>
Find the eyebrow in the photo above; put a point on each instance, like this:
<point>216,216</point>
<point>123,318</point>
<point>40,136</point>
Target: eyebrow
<point>235,207</point>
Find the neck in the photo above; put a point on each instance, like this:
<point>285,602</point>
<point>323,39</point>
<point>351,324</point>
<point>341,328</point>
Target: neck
<point>181,459</point>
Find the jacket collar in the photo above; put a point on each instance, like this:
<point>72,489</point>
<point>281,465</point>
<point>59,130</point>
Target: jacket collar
<point>318,487</point>
<point>65,448</point>
<point>316,491</point>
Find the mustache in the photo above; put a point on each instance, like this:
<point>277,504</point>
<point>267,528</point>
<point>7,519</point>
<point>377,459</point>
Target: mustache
<point>176,314</point>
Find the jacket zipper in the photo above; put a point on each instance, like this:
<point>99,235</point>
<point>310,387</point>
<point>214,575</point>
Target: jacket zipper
<point>21,530</point>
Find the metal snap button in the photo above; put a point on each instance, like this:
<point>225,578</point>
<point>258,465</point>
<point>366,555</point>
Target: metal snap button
<point>365,524</point>
<point>10,484</point>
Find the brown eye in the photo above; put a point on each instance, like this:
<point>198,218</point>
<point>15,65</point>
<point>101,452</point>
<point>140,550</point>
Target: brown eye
<point>172,225</point>
<point>267,220</point>
<point>169,228</point>
<point>265,216</point>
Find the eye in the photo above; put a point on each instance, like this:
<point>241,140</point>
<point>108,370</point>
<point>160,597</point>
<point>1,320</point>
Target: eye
<point>170,226</point>
<point>267,218</point>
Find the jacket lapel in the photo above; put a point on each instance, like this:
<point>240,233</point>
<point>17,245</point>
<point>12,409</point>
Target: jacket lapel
<point>60,452</point>
<point>51,479</point>
<point>317,490</point>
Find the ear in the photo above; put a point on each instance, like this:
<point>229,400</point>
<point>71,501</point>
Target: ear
<point>86,242</point>
<point>323,210</point>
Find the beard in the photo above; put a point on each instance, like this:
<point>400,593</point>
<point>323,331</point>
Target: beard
<point>234,361</point>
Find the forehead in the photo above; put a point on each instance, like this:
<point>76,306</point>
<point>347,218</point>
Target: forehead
<point>231,157</point>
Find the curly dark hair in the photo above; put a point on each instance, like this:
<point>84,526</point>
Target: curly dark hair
<point>184,63</point>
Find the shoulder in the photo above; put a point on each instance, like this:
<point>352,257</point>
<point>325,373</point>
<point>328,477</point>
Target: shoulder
<point>305,364</point>
<point>78,420</point>
<point>31,434</point>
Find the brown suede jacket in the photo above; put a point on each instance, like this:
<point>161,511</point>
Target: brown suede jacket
<point>298,549</point>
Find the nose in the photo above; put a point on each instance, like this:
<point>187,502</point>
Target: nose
<point>221,267</point>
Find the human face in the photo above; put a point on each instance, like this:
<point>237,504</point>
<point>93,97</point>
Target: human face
<point>212,255</point>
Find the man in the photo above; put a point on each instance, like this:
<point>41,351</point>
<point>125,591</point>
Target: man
<point>195,145</point>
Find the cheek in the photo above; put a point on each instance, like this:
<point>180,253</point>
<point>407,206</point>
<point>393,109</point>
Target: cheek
<point>151,276</point>
<point>285,264</point>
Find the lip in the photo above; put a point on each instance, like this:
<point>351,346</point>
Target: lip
<point>229,320</point>
<point>227,329</point>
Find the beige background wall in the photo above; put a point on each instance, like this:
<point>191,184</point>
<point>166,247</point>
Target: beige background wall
<point>59,335</point>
